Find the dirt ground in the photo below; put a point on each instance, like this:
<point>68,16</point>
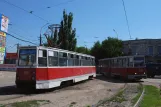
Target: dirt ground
<point>125,97</point>
<point>79,95</point>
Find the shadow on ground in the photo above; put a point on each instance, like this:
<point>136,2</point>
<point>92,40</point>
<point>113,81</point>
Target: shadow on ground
<point>116,79</point>
<point>12,90</point>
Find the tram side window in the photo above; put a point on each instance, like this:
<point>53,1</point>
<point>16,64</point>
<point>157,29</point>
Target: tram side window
<point>52,58</point>
<point>119,62</point>
<point>71,60</point>
<point>93,61</point>
<point>77,60</point>
<point>124,62</point>
<point>83,61</point>
<point>42,59</point>
<point>89,61</point>
<point>62,59</point>
<point>130,62</point>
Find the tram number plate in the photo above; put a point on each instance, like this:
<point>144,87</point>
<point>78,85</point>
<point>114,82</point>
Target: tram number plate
<point>26,72</point>
<point>140,70</point>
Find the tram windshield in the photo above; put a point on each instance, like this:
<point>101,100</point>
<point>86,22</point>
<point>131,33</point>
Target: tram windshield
<point>27,57</point>
<point>138,61</point>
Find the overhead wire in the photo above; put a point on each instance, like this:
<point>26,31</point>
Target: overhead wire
<point>29,12</point>
<point>21,39</point>
<point>62,3</point>
<point>21,36</point>
<point>126,18</point>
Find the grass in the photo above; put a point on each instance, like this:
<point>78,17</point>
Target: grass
<point>152,97</point>
<point>32,103</point>
<point>140,89</point>
<point>118,97</point>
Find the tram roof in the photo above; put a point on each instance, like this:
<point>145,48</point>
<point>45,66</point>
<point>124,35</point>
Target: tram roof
<point>123,57</point>
<point>56,49</point>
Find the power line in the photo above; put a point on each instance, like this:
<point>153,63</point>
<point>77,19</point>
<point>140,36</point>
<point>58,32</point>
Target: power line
<point>30,12</point>
<point>21,39</point>
<point>62,3</point>
<point>21,36</point>
<point>126,18</point>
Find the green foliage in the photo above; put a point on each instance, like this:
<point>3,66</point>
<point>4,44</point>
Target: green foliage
<point>96,51</point>
<point>65,38</point>
<point>110,47</point>
<point>140,90</point>
<point>83,50</point>
<point>119,97</point>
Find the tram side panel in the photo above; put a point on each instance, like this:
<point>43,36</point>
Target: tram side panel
<point>120,72</point>
<point>57,75</point>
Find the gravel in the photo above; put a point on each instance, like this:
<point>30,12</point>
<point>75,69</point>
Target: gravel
<point>124,99</point>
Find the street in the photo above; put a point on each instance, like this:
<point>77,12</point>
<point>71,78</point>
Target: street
<point>85,93</point>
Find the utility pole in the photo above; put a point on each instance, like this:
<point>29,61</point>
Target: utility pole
<point>18,45</point>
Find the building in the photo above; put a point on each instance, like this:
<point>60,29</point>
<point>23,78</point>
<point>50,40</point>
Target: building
<point>151,48</point>
<point>11,58</point>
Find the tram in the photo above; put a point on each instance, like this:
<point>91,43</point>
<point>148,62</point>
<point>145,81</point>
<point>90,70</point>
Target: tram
<point>44,67</point>
<point>125,67</point>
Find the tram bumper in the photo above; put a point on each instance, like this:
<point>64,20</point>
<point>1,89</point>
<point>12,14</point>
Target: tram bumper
<point>130,77</point>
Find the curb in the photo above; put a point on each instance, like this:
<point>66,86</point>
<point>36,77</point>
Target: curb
<point>140,98</point>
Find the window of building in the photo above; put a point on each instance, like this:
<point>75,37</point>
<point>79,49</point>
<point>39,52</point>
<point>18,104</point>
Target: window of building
<point>62,59</point>
<point>42,58</point>
<point>150,50</point>
<point>134,50</point>
<point>52,58</point>
<point>159,50</point>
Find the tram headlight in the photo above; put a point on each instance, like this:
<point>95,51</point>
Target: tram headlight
<point>135,73</point>
<point>33,78</point>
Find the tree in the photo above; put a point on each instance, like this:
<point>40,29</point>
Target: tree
<point>96,51</point>
<point>65,38</point>
<point>67,35</point>
<point>112,47</point>
<point>83,50</point>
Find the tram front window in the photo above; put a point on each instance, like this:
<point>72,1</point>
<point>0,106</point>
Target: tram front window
<point>27,57</point>
<point>138,61</point>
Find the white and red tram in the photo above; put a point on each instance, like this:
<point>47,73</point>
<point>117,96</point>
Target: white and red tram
<point>44,67</point>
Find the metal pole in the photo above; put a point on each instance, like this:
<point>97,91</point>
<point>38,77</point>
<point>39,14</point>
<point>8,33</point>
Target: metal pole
<point>116,33</point>
<point>40,33</point>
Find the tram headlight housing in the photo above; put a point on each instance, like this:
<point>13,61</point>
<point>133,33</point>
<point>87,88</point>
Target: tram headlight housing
<point>33,78</point>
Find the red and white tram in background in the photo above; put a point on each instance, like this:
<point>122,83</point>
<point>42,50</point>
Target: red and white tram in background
<point>126,67</point>
<point>44,67</point>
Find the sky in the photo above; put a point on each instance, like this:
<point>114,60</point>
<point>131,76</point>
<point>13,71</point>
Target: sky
<point>92,18</point>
